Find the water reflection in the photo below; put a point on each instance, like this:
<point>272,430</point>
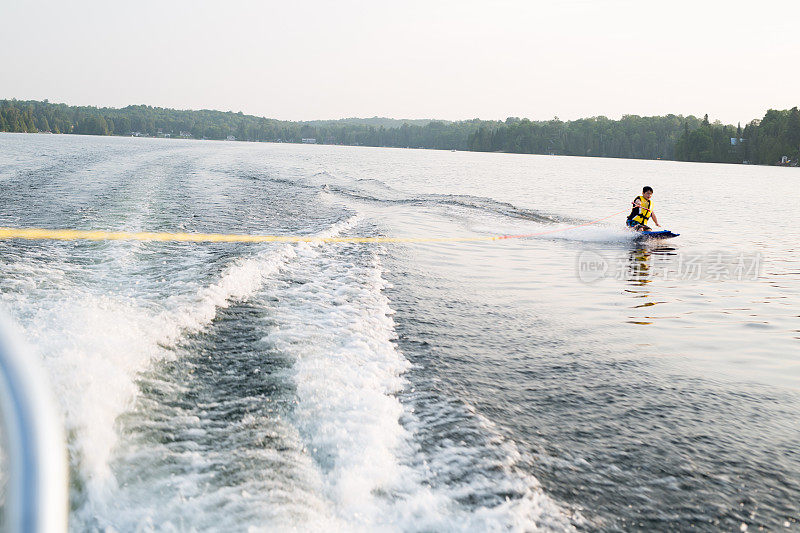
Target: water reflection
<point>647,262</point>
<point>639,266</point>
<point>644,265</point>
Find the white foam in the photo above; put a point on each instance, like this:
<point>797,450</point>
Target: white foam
<point>239,281</point>
<point>334,319</point>
<point>592,233</point>
<point>498,224</point>
<point>347,370</point>
<point>95,344</point>
<point>480,465</point>
<point>362,471</point>
<point>190,492</point>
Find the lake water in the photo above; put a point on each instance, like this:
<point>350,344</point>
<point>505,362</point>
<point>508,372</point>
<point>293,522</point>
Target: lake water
<point>578,379</point>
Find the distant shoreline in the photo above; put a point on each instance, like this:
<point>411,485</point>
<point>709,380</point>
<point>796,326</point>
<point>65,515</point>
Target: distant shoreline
<point>773,140</point>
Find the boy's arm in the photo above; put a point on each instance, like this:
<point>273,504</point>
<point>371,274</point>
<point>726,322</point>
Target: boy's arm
<point>656,220</point>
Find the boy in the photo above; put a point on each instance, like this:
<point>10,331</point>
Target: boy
<point>642,211</point>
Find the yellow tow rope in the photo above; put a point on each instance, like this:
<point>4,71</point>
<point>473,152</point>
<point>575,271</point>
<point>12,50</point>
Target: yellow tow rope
<point>37,234</point>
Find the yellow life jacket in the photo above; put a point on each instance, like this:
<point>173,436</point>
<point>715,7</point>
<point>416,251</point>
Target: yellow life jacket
<point>645,211</point>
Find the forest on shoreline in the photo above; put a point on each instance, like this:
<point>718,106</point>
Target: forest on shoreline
<point>772,140</point>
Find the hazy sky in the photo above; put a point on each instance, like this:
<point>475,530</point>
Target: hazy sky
<point>311,59</point>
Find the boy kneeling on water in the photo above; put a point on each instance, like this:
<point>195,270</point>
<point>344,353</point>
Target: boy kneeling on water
<point>642,211</point>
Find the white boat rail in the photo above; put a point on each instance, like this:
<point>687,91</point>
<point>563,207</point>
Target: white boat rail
<point>33,442</point>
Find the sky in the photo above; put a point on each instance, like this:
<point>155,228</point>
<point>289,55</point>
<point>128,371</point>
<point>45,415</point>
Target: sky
<point>452,60</point>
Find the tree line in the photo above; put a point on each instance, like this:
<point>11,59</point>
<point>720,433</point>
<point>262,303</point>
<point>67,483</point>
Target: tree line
<point>775,139</point>
<point>630,137</point>
<point>685,138</point>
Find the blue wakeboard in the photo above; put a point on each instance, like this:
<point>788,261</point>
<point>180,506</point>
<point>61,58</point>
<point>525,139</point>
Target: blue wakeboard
<point>663,234</point>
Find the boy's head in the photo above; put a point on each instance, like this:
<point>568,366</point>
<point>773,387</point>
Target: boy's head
<point>647,192</point>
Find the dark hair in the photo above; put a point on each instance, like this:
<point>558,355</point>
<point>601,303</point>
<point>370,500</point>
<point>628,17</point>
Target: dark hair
<point>647,189</point>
